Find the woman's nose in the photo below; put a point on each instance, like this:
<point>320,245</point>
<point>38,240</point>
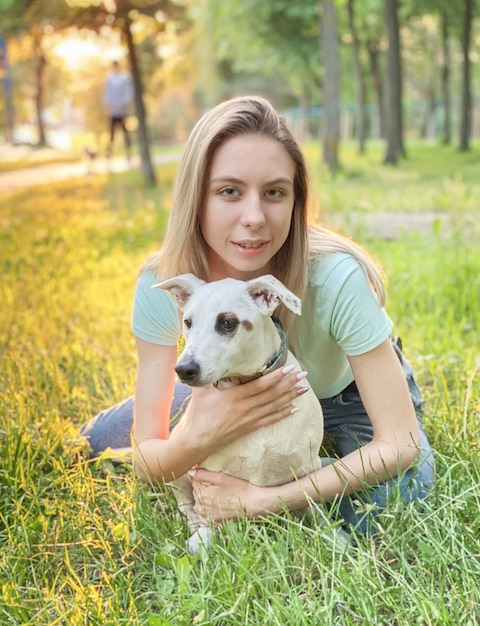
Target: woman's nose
<point>252,212</point>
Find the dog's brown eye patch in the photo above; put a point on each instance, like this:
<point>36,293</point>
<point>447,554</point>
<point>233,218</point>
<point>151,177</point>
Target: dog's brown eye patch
<point>227,323</point>
<point>247,324</point>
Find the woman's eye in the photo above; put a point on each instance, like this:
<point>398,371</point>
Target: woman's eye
<point>275,193</point>
<point>229,192</point>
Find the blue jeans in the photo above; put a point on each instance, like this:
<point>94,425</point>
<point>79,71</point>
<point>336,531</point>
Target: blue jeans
<point>345,419</point>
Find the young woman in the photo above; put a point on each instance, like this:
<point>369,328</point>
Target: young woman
<point>240,210</point>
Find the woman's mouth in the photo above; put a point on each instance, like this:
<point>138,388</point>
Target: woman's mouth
<point>250,248</point>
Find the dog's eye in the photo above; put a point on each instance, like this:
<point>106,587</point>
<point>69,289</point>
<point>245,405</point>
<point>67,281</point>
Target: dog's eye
<point>187,322</point>
<point>229,324</point>
<point>226,323</point>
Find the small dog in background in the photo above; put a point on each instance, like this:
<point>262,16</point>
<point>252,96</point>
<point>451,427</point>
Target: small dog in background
<point>91,154</point>
<point>231,338</point>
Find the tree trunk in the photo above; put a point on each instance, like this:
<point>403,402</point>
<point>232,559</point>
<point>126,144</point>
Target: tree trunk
<point>6,76</point>
<point>304,106</point>
<point>331,85</point>
<point>361,117</point>
<point>427,130</point>
<point>447,124</point>
<point>395,147</point>
<point>466,106</point>
<point>146,162</point>
<point>373,47</point>
<point>39,73</point>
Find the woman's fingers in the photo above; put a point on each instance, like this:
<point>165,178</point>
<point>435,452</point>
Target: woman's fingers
<point>222,415</point>
<point>277,390</point>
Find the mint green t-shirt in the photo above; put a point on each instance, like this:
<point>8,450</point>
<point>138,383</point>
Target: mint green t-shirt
<point>340,317</point>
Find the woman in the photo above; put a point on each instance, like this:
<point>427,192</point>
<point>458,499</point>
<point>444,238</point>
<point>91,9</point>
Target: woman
<point>240,210</point>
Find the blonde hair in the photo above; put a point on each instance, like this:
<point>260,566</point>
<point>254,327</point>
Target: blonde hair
<point>184,248</point>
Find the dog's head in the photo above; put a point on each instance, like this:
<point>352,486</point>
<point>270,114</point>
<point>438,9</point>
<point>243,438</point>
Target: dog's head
<point>227,325</point>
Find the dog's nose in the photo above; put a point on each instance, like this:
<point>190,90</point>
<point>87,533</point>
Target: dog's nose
<point>188,372</point>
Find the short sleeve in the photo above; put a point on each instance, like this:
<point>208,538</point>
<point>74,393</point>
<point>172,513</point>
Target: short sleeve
<point>155,313</point>
<point>358,322</point>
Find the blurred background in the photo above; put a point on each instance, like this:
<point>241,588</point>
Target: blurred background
<point>338,70</point>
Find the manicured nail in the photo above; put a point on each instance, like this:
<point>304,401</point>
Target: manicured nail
<point>191,473</point>
<point>302,375</point>
<point>301,390</point>
<point>288,369</point>
<point>294,410</point>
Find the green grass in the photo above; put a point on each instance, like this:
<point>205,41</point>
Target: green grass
<point>432,178</point>
<point>83,543</point>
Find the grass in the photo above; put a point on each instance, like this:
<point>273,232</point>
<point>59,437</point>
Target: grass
<point>83,543</point>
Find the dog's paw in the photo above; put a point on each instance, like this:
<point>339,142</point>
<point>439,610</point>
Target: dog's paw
<point>202,539</point>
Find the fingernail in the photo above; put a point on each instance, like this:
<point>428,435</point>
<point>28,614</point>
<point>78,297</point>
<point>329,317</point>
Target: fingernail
<point>294,410</point>
<point>288,369</point>
<point>301,390</point>
<point>302,375</point>
<point>191,473</point>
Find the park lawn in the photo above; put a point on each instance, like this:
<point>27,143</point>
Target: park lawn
<point>83,543</point>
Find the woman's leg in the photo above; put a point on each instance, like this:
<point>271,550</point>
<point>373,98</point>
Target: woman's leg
<point>347,421</point>
<point>112,428</point>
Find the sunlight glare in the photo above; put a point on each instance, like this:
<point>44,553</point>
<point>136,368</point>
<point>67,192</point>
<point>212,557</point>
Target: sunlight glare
<point>77,52</point>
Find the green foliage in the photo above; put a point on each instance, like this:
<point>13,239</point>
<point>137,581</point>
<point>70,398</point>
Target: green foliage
<point>283,34</point>
<point>82,542</point>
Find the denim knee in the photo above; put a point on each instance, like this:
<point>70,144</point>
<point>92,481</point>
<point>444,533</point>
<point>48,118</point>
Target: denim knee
<point>360,511</point>
<point>111,428</point>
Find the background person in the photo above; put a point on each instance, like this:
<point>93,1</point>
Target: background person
<point>240,211</point>
<point>118,95</point>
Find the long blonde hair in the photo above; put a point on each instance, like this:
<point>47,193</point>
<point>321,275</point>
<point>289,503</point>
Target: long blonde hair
<point>184,248</point>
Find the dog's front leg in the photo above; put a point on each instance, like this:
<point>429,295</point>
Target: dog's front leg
<point>202,536</point>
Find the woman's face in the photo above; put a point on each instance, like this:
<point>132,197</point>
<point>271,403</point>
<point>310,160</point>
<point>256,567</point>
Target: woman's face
<point>248,206</point>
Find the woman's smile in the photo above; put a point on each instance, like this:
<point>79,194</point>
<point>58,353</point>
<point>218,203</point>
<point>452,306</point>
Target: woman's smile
<point>250,248</point>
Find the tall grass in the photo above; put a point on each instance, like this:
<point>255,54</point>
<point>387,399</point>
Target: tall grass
<point>83,543</point>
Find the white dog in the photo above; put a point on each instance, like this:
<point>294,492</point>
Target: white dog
<point>230,338</point>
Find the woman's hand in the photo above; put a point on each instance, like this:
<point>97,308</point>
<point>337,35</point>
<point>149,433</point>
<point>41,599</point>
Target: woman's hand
<point>217,417</point>
<point>220,497</point>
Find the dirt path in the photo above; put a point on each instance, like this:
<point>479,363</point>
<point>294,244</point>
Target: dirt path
<point>46,173</point>
<point>391,225</point>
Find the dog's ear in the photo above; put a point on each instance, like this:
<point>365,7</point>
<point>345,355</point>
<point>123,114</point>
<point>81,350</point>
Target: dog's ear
<point>267,290</point>
<point>182,287</point>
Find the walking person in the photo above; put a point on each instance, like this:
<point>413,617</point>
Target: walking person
<point>240,211</point>
<point>118,95</point>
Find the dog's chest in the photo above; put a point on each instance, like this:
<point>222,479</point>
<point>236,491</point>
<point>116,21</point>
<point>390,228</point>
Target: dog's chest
<point>275,454</point>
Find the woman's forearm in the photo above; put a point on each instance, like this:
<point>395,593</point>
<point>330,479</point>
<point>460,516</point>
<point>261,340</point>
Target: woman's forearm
<point>164,460</point>
<point>372,464</point>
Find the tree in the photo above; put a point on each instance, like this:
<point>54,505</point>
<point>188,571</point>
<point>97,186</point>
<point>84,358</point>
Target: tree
<point>466,104</point>
<point>280,33</point>
<point>119,15</point>
<point>445,80</point>
<point>360,79</point>
<point>395,146</point>
<point>331,84</point>
<point>39,83</point>
<point>143,142</point>
<point>63,14</point>
<point>15,19</point>
<point>123,20</point>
